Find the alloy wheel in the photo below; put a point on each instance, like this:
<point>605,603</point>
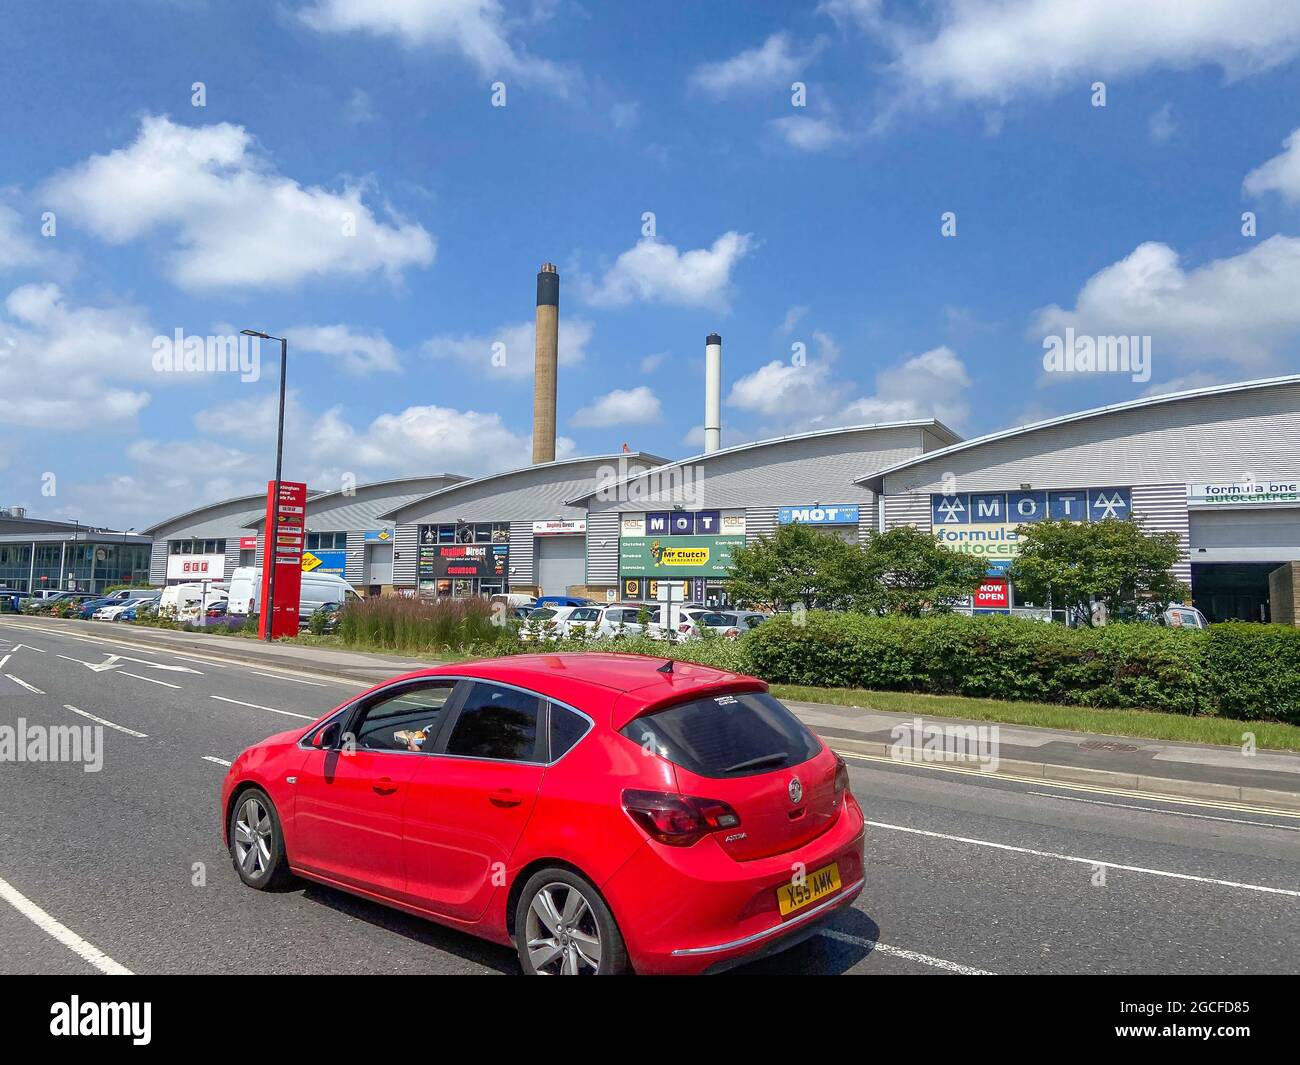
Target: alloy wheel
<point>253,838</point>
<point>562,933</point>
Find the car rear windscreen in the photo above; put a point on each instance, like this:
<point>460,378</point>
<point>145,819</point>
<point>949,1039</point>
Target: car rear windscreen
<point>732,735</point>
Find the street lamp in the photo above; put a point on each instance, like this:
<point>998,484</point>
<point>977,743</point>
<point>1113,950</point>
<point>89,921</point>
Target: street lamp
<point>279,459</point>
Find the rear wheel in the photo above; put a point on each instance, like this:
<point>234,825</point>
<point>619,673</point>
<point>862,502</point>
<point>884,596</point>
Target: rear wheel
<point>564,928</point>
<point>257,841</point>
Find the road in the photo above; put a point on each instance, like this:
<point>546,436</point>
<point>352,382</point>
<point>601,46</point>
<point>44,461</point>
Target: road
<point>965,874</point>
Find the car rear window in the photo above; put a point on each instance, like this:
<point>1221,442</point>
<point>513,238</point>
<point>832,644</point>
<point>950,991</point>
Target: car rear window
<point>731,735</point>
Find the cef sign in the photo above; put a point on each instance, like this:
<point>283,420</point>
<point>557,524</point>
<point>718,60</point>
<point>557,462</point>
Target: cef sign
<point>195,567</point>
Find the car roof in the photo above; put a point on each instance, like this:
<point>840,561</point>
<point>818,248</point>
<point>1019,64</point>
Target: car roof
<point>596,682</point>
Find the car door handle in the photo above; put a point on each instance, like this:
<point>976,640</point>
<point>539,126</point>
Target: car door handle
<point>504,797</point>
<point>384,786</point>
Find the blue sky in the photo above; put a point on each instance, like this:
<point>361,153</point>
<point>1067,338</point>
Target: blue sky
<point>776,225</point>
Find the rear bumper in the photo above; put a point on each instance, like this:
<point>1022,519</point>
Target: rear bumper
<point>696,909</point>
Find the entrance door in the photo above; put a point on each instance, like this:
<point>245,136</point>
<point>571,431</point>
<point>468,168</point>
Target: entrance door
<point>561,563</point>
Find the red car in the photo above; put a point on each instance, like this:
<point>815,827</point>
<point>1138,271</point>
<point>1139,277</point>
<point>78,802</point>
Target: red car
<point>600,812</point>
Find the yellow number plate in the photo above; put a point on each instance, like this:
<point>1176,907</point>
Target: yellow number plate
<point>818,884</point>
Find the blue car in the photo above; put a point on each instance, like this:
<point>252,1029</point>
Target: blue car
<point>88,608</point>
<point>562,600</point>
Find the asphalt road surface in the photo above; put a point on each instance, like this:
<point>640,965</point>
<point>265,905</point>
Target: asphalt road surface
<point>965,874</point>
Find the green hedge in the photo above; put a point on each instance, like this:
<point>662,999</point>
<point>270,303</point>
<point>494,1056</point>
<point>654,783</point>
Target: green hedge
<point>1242,671</point>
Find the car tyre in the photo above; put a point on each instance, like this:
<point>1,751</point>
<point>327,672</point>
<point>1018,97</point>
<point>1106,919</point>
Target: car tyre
<point>257,841</point>
<point>563,927</point>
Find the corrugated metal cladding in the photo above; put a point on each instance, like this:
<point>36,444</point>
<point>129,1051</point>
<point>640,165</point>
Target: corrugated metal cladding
<point>338,512</point>
<point>1201,438</point>
<point>1163,508</point>
<point>158,562</point>
<point>232,556</point>
<point>354,570</point>
<point>404,545</point>
<point>759,521</point>
<point>521,552</point>
<point>602,548</point>
<point>911,509</point>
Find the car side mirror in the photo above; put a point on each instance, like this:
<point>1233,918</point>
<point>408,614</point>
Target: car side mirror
<point>326,739</point>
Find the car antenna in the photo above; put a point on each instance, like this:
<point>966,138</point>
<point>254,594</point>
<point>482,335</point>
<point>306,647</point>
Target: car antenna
<point>667,667</point>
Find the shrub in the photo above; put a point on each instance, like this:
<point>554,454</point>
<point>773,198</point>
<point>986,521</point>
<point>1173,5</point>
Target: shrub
<point>1255,670</point>
<point>721,653</point>
<point>423,624</point>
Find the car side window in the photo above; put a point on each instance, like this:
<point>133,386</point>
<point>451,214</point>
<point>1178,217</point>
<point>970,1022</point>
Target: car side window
<point>567,728</point>
<point>497,722</point>
<point>407,720</point>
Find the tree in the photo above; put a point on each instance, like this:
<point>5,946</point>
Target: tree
<point>909,572</point>
<point>1114,562</point>
<point>797,564</point>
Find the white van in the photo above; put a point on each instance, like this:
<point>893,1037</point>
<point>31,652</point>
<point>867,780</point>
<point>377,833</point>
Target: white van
<point>317,589</point>
<point>187,601</point>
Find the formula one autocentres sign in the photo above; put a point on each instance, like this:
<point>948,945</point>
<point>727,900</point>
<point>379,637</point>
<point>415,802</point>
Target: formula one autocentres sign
<point>985,523</point>
<point>1250,492</point>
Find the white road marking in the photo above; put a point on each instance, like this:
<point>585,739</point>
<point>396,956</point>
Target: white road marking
<point>62,933</point>
<point>29,647</point>
<point>111,662</point>
<point>124,673</point>
<point>1087,861</point>
<point>24,684</point>
<point>218,761</point>
<point>295,680</point>
<point>254,706</point>
<point>3,661</point>
<point>909,955</point>
<point>102,721</point>
<point>1170,813</point>
<point>119,643</point>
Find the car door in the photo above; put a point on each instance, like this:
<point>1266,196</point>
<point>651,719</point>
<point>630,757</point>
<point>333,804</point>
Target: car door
<point>349,799</point>
<point>468,802</point>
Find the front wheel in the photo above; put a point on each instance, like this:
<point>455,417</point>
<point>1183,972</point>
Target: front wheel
<point>257,841</point>
<point>564,928</point>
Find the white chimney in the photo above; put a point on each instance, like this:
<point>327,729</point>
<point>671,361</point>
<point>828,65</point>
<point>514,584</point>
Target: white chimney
<point>712,393</point>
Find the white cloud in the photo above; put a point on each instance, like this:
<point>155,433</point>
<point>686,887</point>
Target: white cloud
<point>358,110</point>
<point>516,356</point>
<point>997,50</point>
<point>770,66</point>
<point>622,406</point>
<point>18,246</point>
<point>61,364</point>
<point>930,385</point>
<point>1161,124</point>
<point>357,353</point>
<point>792,317</point>
<point>808,133</point>
<point>650,363</point>
<point>1242,308</point>
<point>1196,379</point>
<point>653,271</point>
<point>477,29</point>
<point>1280,174</point>
<point>236,222</point>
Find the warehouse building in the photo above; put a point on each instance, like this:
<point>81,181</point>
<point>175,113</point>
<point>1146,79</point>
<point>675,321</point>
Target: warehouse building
<point>38,554</point>
<point>514,531</point>
<point>1219,466</point>
<point>679,522</point>
<point>206,543</point>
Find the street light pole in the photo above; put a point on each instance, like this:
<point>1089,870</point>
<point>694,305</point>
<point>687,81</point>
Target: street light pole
<point>271,539</point>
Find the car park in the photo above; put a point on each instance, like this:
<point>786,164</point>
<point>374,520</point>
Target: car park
<point>87,609</point>
<point>125,609</point>
<point>602,813</point>
<point>728,623</point>
<point>546,623</point>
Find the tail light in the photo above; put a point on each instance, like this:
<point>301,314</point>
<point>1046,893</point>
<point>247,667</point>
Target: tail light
<point>677,820</point>
<point>731,634</point>
<point>684,627</point>
<point>841,779</point>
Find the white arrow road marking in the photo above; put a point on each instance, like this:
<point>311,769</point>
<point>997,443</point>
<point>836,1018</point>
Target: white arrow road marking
<point>254,706</point>
<point>218,761</point>
<point>29,647</point>
<point>909,955</point>
<point>102,721</point>
<point>112,661</point>
<point>1088,861</point>
<point>3,661</point>
<point>24,684</point>
<point>124,673</point>
<point>62,933</point>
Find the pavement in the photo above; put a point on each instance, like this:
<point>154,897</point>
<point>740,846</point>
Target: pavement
<point>968,872</point>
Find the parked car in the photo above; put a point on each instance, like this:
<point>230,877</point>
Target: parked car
<point>217,609</point>
<point>728,623</point>
<point>87,609</point>
<point>546,623</point>
<point>46,604</point>
<point>562,600</point>
<point>331,613</point>
<point>126,609</point>
<point>689,784</point>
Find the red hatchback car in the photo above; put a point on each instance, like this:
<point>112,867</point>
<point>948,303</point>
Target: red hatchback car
<point>600,812</point>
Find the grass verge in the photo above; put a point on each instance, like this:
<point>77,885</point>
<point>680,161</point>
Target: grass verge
<point>1146,724</point>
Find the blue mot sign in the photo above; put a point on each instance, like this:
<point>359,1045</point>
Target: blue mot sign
<point>819,514</point>
<point>1024,507</point>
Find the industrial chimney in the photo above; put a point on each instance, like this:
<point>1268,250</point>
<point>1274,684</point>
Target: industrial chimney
<point>712,393</point>
<point>548,340</point>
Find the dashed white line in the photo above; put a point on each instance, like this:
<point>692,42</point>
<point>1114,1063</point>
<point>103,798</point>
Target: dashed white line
<point>124,673</point>
<point>24,684</point>
<point>103,721</point>
<point>908,955</point>
<point>295,680</point>
<point>218,761</point>
<point>1171,813</point>
<point>1087,861</point>
<point>62,933</point>
<point>254,706</point>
